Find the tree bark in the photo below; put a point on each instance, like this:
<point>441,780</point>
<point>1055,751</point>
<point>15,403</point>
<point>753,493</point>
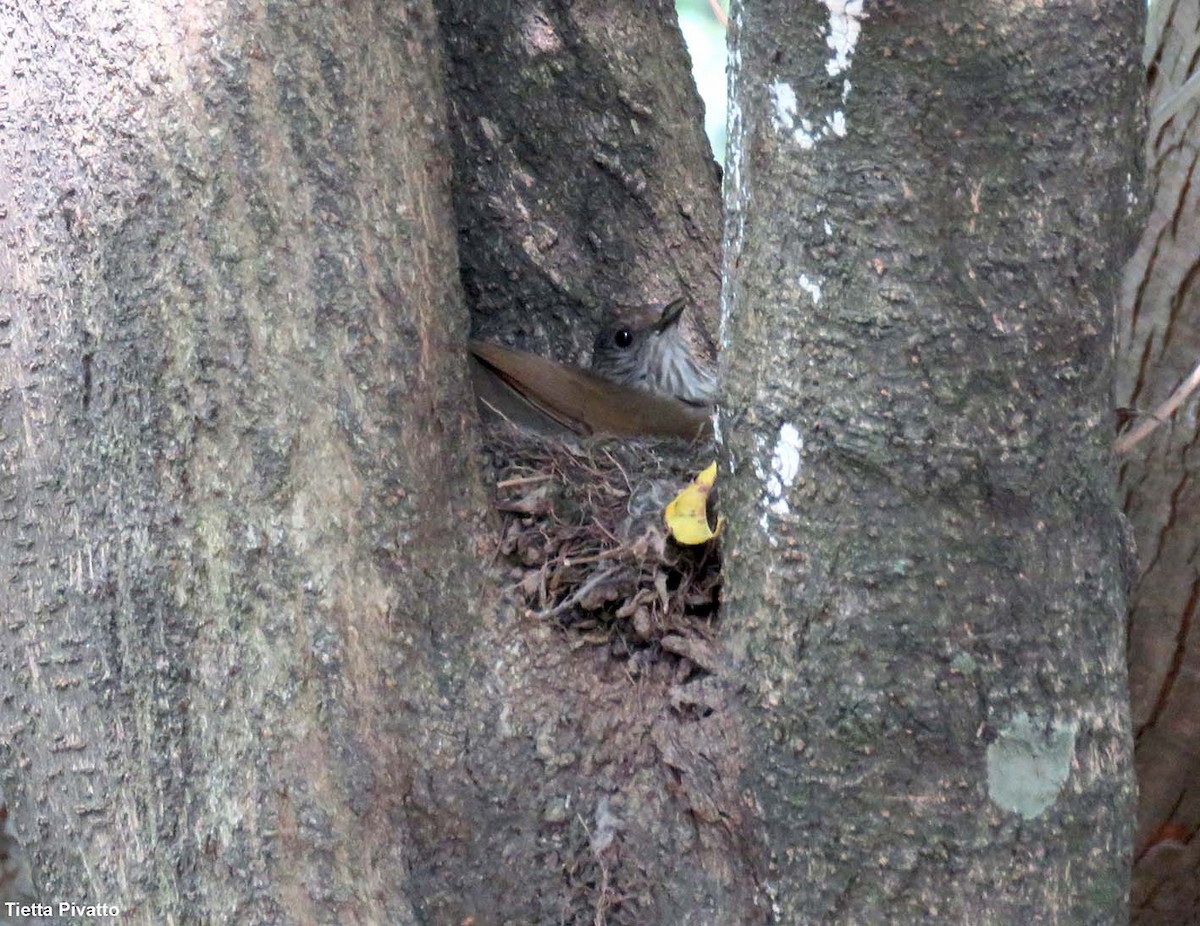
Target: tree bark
<point>273,684</point>
<point>255,670</point>
<point>239,502</point>
<point>606,780</point>
<point>925,213</point>
<point>583,178</point>
<point>1159,346</point>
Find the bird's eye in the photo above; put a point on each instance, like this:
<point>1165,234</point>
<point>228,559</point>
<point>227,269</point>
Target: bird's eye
<point>623,337</point>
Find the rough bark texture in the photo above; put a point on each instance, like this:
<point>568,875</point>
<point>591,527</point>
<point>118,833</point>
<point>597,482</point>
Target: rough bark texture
<point>925,224</point>
<point>246,676</point>
<point>582,175</point>
<point>236,540</point>
<point>606,776</point>
<point>1159,346</point>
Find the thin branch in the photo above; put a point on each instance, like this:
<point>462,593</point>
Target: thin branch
<point>574,599</point>
<point>587,560</point>
<point>1146,427</point>
<point>523,480</point>
<point>722,18</point>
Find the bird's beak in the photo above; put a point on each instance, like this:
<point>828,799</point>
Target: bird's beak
<point>670,314</point>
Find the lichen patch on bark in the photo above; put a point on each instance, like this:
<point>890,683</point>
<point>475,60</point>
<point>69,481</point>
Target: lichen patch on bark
<point>1029,763</point>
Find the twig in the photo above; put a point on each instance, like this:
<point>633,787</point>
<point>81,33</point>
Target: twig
<point>1146,427</point>
<point>620,469</point>
<point>719,13</point>
<point>602,900</point>
<point>509,483</point>
<point>595,558</point>
<point>607,533</point>
<point>577,595</point>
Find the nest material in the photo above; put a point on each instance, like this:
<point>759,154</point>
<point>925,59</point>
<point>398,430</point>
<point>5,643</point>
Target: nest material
<point>584,536</point>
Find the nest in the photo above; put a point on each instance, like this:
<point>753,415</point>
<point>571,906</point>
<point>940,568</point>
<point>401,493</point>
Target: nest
<point>585,543</point>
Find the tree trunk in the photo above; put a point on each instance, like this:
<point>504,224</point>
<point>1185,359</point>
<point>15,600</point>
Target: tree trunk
<point>606,778</point>
<point>267,684</point>
<point>255,671</point>
<point>583,178</point>
<point>238,502</point>
<point>1159,347</point>
<point>925,213</point>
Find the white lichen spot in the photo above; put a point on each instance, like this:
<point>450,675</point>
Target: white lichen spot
<point>828,228</point>
<point>785,467</point>
<point>845,90</point>
<point>845,26</point>
<point>804,135</point>
<point>779,504</point>
<point>735,229</point>
<point>785,461</point>
<point>783,111</point>
<point>1029,762</point>
<point>783,116</point>
<point>736,193</point>
<point>812,287</point>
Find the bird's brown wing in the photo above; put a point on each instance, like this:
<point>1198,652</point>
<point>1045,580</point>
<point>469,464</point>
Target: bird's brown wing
<point>552,398</point>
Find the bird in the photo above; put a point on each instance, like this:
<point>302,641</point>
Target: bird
<point>659,349</point>
<point>555,400</point>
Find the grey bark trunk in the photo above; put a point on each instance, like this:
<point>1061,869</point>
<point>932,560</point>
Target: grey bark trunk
<point>1159,347</point>
<point>926,210</point>
<point>253,673</point>
<point>238,497</point>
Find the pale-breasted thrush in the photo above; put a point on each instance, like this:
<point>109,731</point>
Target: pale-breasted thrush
<point>660,349</point>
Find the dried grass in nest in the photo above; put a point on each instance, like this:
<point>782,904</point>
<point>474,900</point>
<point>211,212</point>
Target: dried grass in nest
<point>584,537</point>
